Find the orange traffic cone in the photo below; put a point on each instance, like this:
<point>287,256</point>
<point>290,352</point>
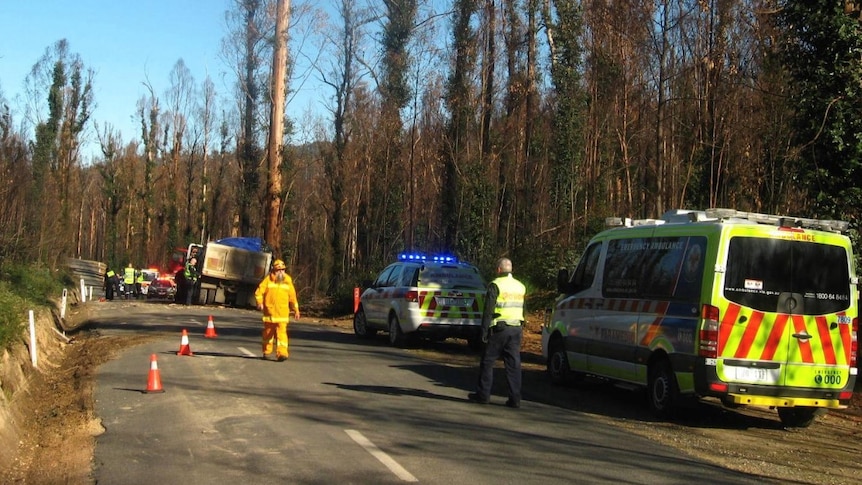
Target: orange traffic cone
<point>154,381</point>
<point>210,333</point>
<point>184,344</point>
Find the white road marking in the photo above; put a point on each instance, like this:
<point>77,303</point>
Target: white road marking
<point>247,352</point>
<point>391,464</point>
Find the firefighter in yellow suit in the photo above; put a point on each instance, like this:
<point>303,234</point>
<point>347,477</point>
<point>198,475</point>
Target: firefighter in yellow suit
<point>276,297</point>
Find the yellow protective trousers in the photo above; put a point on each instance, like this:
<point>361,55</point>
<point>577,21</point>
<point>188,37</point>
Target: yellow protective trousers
<point>273,332</point>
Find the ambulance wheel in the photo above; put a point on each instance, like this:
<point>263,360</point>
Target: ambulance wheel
<point>558,363</point>
<point>799,416</point>
<point>396,335</point>
<point>360,325</point>
<point>662,389</point>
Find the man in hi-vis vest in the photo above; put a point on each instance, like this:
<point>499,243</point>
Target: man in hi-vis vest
<point>502,324</point>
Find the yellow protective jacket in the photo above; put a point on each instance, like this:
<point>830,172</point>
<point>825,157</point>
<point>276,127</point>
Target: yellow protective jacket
<point>278,299</point>
<point>510,300</point>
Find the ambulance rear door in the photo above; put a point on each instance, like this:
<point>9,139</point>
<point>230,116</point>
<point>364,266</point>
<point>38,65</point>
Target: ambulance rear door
<point>789,310</point>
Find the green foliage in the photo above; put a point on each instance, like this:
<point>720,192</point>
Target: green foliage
<point>821,49</point>
<point>23,287</point>
<point>35,283</point>
<point>12,315</point>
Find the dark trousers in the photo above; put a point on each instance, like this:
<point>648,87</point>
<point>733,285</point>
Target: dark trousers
<point>506,344</point>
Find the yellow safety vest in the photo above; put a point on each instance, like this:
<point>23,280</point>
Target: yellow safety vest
<point>510,301</point>
<point>129,275</point>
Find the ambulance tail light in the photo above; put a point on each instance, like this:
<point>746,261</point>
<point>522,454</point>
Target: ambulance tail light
<point>412,296</point>
<point>718,387</point>
<point>709,332</point>
<point>854,343</point>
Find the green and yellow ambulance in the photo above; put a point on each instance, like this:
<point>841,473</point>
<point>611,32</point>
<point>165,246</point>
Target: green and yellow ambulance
<point>749,308</point>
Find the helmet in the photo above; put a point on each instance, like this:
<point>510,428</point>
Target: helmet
<point>278,264</point>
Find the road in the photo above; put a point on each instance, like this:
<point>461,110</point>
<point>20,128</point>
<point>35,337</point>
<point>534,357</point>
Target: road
<point>341,410</point>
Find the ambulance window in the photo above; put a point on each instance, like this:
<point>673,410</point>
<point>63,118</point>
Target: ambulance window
<point>585,273</point>
<point>787,276</point>
<point>667,268</point>
<point>623,267</point>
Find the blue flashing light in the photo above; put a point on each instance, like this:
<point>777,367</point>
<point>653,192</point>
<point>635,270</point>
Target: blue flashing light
<point>419,257</point>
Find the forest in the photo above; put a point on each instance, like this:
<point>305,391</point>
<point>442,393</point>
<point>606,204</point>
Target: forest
<point>480,128</point>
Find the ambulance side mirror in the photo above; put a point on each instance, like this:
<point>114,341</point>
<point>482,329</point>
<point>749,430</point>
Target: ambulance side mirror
<point>563,281</point>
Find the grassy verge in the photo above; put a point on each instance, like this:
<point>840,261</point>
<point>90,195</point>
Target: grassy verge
<point>22,288</point>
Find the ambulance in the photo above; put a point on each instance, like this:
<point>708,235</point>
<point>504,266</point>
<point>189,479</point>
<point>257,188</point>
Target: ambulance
<point>752,309</point>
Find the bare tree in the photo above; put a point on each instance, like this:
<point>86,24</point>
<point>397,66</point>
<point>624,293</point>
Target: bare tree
<point>272,231</point>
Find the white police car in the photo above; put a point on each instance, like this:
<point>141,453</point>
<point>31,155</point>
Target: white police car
<point>423,297</point>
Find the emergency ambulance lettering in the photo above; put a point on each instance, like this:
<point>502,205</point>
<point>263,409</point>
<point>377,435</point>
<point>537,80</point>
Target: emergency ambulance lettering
<point>750,334</point>
<point>825,340</point>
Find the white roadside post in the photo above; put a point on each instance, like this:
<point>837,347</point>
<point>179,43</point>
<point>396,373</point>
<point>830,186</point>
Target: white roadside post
<point>63,304</point>
<point>32,339</point>
<point>83,291</point>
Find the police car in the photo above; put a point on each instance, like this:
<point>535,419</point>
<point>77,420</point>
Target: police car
<point>423,297</point>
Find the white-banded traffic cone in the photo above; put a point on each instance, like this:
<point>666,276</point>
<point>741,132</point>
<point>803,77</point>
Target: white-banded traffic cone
<point>185,349</point>
<point>211,332</point>
<point>154,380</point>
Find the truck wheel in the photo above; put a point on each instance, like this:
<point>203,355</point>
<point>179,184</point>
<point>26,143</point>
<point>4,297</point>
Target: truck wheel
<point>360,325</point>
<point>663,391</point>
<point>558,363</point>
<point>396,335</point>
<point>799,416</point>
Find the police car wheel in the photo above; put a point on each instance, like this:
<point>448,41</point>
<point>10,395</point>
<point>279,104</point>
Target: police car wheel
<point>360,325</point>
<point>396,335</point>
<point>662,388</point>
<point>558,363</point>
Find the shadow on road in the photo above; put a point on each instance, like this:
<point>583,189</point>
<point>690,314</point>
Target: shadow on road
<point>450,363</point>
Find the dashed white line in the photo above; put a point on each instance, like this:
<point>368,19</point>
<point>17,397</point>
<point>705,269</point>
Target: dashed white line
<point>247,352</point>
<point>387,460</point>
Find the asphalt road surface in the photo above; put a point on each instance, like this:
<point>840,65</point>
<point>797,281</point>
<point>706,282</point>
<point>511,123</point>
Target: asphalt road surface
<point>339,410</point>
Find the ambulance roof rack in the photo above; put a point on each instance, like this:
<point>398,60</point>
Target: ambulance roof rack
<point>781,221</point>
<point>628,222</point>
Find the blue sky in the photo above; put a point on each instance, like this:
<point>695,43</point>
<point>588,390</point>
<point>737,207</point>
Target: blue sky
<point>124,42</point>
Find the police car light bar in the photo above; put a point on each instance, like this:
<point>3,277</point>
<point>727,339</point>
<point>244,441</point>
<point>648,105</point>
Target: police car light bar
<point>419,257</point>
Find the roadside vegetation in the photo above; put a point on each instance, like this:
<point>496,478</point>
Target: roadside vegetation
<point>23,288</point>
<point>490,129</point>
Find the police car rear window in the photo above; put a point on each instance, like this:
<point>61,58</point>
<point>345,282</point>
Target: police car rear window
<point>450,276</point>
<point>786,276</point>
